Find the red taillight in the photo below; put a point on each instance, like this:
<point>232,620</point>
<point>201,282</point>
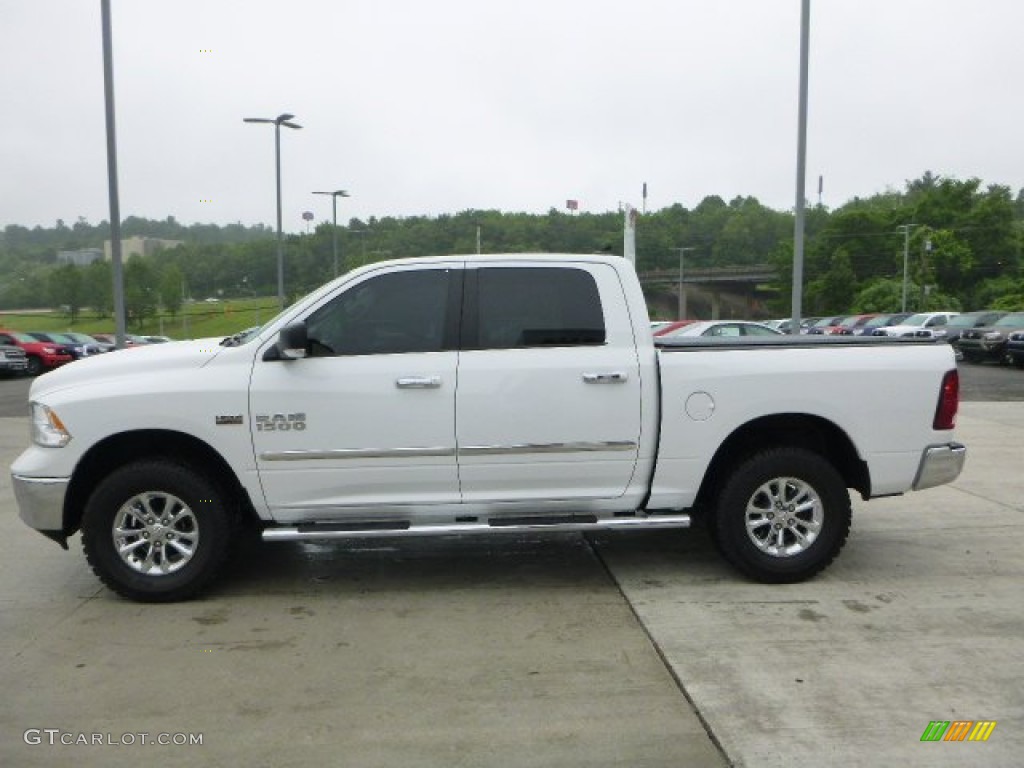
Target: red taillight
<point>949,401</point>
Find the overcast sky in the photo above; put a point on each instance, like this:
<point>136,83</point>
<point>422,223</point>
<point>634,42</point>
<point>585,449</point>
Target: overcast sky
<point>422,107</point>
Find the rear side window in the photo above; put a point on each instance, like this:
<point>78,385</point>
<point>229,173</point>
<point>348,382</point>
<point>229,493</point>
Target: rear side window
<point>538,307</point>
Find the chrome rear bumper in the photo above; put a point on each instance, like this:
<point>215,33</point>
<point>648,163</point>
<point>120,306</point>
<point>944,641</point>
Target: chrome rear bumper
<point>940,464</point>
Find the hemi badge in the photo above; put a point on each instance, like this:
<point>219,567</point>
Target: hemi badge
<point>223,420</point>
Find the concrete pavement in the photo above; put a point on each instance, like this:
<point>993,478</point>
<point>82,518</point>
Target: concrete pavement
<point>921,618</point>
<point>525,652</point>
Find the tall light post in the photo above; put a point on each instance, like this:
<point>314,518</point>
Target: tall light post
<point>115,206</point>
<point>682,292</point>
<point>277,123</point>
<point>906,258</point>
<point>334,232</point>
<point>801,170</point>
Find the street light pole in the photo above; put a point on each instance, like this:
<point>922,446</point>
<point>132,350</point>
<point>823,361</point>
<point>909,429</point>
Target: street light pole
<point>801,171</point>
<point>277,123</point>
<point>334,232</point>
<point>115,206</point>
<point>682,292</point>
<point>906,258</point>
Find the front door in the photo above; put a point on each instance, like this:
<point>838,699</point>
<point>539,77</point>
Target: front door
<point>367,419</point>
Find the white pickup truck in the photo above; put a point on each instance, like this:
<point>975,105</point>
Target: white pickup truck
<point>463,395</point>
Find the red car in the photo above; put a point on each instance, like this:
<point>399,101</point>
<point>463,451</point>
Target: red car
<point>42,355</point>
<point>852,325</point>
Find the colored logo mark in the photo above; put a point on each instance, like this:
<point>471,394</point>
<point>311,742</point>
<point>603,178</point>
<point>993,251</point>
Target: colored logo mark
<point>958,730</point>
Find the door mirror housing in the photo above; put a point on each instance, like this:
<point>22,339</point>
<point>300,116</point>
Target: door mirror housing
<point>292,342</point>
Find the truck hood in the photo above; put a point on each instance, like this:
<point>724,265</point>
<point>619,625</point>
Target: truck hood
<point>133,361</point>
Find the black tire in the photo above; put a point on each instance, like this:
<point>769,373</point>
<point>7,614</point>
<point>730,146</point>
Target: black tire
<point>35,366</point>
<point>175,539</point>
<point>764,534</point>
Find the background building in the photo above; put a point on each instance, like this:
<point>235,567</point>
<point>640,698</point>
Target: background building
<point>139,246</point>
<point>80,258</point>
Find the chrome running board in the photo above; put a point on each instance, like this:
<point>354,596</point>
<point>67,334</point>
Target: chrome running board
<point>519,525</point>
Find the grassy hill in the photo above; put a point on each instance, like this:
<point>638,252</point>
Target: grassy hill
<point>197,320</point>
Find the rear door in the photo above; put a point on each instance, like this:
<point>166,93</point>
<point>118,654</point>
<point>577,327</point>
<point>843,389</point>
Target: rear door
<point>548,405</point>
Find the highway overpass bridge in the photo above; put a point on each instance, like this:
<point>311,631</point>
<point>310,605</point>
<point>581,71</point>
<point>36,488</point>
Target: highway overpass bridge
<point>710,292</point>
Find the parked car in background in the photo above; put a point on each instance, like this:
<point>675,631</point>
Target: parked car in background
<point>672,326</point>
<point>157,339</point>
<point>85,338</point>
<point>989,342</point>
<point>824,323</point>
<point>130,339</point>
<point>936,322</point>
<point>961,323</point>
<point>882,321</point>
<point>79,349</point>
<point>41,355</point>
<point>846,326</point>
<point>1015,348</point>
<point>730,328</point>
<point>13,360</point>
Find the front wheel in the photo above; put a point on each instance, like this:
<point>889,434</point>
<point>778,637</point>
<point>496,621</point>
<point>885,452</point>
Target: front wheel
<point>156,531</point>
<point>35,366</point>
<point>783,515</point>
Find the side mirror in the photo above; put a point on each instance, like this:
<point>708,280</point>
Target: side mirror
<point>292,342</point>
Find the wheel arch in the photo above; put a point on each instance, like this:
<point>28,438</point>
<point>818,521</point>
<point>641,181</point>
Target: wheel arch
<point>126,447</point>
<point>797,429</point>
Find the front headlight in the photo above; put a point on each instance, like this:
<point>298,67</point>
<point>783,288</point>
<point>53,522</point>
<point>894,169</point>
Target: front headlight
<point>993,336</point>
<point>48,430</point>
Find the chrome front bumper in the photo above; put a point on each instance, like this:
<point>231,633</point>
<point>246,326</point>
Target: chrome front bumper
<point>940,464</point>
<point>41,501</point>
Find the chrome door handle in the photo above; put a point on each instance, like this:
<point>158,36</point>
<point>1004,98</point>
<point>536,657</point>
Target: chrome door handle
<point>418,382</point>
<point>612,377</point>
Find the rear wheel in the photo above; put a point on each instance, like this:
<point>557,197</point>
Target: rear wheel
<point>156,531</point>
<point>783,515</point>
<point>35,366</point>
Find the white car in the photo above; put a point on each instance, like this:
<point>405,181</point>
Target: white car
<point>731,328</point>
<point>936,322</point>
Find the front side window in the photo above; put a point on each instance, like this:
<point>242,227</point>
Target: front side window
<point>538,307</point>
<point>388,314</point>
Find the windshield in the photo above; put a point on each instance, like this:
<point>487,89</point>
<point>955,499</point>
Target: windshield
<point>1013,320</point>
<point>874,322</point>
<point>963,321</point>
<point>918,319</point>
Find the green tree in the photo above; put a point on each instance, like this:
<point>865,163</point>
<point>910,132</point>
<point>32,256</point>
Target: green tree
<point>171,283</point>
<point>65,283</point>
<point>140,290</point>
<point>832,292</point>
<point>98,287</point>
